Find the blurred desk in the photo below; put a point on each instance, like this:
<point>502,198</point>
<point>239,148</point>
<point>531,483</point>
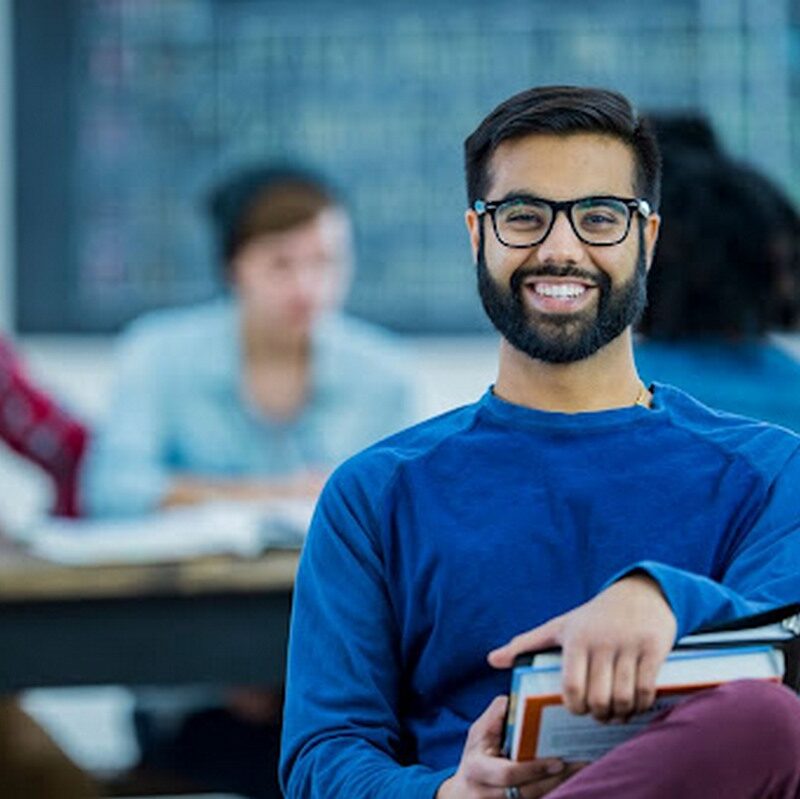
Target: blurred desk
<point>212,620</point>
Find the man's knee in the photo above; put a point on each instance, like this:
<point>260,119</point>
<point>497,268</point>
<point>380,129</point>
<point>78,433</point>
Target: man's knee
<point>753,700</point>
<point>740,739</point>
<point>760,712</point>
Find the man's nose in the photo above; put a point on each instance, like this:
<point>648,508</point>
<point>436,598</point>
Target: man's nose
<point>561,244</point>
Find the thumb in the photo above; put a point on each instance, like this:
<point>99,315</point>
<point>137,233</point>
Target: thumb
<point>486,732</point>
<point>541,637</point>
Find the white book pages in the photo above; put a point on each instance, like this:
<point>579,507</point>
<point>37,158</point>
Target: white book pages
<point>769,632</point>
<point>214,528</point>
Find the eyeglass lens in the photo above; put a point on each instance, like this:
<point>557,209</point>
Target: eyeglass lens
<point>595,220</point>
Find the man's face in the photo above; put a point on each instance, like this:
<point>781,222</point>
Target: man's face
<point>562,300</point>
<point>285,281</point>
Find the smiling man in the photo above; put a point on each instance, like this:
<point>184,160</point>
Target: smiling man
<point>577,309</point>
<point>571,505</point>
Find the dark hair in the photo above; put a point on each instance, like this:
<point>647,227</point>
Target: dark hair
<point>681,131</point>
<point>726,264</point>
<point>265,199</point>
<point>563,110</point>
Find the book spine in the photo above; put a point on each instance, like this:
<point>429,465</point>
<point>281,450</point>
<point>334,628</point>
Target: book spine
<point>511,712</point>
<point>791,653</point>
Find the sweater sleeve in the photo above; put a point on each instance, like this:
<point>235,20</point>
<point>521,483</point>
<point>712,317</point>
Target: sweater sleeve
<point>763,573</point>
<point>342,734</point>
<point>125,471</point>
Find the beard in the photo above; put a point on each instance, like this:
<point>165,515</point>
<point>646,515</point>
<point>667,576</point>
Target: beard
<point>562,338</point>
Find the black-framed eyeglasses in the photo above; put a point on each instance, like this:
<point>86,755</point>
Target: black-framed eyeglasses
<point>525,221</point>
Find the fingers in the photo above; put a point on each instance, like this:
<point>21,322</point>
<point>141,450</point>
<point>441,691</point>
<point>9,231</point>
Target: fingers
<point>645,683</point>
<point>608,684</point>
<point>623,690</point>
<point>575,668</point>
<point>600,683</point>
<point>486,733</point>
<point>613,647</point>
<point>483,773</point>
<point>532,778</point>
<point>542,637</point>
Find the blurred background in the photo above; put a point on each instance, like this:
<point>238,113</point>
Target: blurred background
<point>125,110</point>
<point>118,115</point>
<point>121,113</point>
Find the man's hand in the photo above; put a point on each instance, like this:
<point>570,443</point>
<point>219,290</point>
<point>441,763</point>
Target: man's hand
<point>613,647</point>
<point>483,773</point>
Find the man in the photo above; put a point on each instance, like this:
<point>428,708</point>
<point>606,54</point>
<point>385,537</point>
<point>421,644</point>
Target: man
<point>570,506</point>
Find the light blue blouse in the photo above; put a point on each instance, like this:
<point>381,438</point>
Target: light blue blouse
<point>177,406</point>
<point>756,378</point>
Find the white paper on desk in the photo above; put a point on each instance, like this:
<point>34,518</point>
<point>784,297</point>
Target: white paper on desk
<point>214,528</point>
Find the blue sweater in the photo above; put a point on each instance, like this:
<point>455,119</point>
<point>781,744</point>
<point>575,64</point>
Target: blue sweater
<point>442,542</point>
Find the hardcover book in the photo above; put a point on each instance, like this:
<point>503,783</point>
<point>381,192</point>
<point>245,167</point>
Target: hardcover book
<point>539,725</point>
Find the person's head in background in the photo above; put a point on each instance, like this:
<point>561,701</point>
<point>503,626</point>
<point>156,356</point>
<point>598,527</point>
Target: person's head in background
<point>726,264</point>
<point>682,133</point>
<point>285,241</point>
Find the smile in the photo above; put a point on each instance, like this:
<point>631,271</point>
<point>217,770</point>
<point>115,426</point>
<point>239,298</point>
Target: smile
<point>559,296</point>
<point>560,290</point>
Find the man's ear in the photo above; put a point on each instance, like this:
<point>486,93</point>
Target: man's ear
<point>651,227</point>
<point>473,222</point>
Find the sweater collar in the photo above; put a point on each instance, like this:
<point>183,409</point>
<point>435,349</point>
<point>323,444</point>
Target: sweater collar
<point>522,416</point>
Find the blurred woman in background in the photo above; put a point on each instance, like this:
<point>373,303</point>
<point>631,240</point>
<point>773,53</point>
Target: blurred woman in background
<point>254,396</point>
<point>260,393</point>
<point>726,273</point>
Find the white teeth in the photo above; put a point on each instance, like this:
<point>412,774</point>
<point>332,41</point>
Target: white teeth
<point>561,290</point>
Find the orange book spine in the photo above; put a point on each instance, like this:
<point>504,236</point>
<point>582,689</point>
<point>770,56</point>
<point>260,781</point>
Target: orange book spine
<point>531,723</point>
<point>534,707</point>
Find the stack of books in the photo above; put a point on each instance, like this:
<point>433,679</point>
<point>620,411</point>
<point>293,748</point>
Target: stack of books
<point>539,725</point>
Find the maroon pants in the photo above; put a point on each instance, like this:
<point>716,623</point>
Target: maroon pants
<point>738,741</point>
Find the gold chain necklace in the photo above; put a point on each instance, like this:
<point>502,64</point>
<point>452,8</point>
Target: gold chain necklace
<point>643,397</point>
